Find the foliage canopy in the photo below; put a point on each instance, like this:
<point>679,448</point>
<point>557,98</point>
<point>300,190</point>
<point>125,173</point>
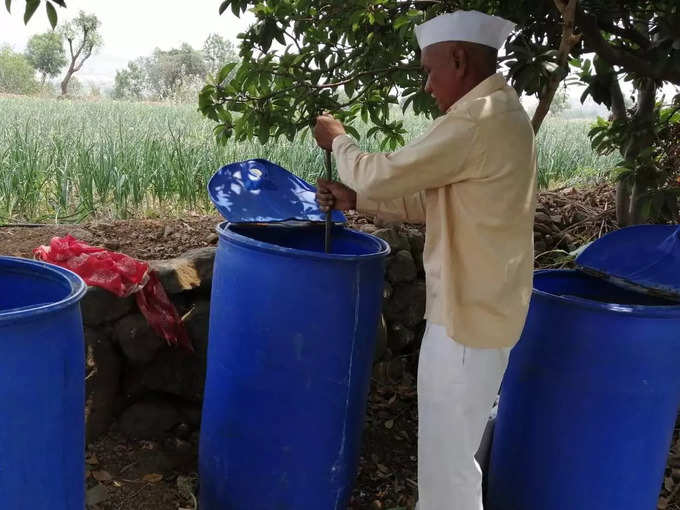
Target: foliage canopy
<point>46,53</point>
<point>356,58</point>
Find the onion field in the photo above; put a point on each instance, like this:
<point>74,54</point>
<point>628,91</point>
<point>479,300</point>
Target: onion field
<point>67,161</point>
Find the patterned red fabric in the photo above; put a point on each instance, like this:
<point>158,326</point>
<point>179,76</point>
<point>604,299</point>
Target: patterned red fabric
<point>123,276</point>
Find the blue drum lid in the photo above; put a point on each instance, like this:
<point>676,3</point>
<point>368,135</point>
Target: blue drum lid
<point>645,258</point>
<point>259,191</point>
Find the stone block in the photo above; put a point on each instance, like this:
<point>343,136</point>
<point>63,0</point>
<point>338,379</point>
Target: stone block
<point>102,381</point>
<point>189,271</point>
<point>99,306</point>
<point>136,339</point>
<point>402,267</point>
<point>149,419</point>
<point>393,238</point>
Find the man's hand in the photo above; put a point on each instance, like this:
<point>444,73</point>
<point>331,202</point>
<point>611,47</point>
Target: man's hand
<point>326,129</point>
<point>335,195</point>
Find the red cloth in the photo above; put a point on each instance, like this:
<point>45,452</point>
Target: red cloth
<point>122,275</point>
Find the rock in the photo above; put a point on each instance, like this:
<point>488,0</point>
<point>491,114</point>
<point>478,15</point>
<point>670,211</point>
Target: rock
<point>149,419</point>
<point>416,240</point>
<point>191,270</point>
<point>402,267</point>
<point>542,217</point>
<point>102,382</point>
<point>394,239</point>
<point>387,290</point>
<point>95,495</point>
<point>111,244</point>
<point>368,228</point>
<point>400,337</point>
<point>212,238</point>
<point>136,339</point>
<point>407,305</point>
<point>99,306</point>
<point>191,413</point>
<point>388,371</point>
<point>174,371</point>
<point>381,339</point>
<point>539,247</point>
<point>197,325</point>
<point>543,228</point>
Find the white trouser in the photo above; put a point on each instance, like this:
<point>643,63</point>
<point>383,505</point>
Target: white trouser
<point>457,386</point>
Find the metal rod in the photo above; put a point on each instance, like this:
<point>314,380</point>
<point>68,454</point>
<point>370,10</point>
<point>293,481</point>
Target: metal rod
<point>329,223</point>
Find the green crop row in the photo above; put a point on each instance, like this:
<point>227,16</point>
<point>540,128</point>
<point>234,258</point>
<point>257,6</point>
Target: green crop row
<point>69,161</point>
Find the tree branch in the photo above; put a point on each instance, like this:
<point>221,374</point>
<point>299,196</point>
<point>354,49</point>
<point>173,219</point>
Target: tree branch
<point>626,33</point>
<point>618,104</point>
<point>568,41</point>
<point>616,56</point>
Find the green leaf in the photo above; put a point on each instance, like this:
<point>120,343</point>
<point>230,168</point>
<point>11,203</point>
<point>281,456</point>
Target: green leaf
<point>224,72</point>
<point>223,6</point>
<point>401,21</point>
<point>8,4</point>
<point>51,13</point>
<point>352,131</point>
<point>31,6</point>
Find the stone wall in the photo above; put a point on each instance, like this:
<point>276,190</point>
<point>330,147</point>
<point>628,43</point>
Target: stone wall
<point>150,389</point>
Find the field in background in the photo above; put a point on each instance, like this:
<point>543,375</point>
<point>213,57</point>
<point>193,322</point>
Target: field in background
<point>67,161</point>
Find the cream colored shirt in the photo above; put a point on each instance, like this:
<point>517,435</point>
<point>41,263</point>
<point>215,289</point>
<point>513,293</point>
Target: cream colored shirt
<point>472,179</point>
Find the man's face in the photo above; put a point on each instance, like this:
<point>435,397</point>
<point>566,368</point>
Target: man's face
<point>444,74</point>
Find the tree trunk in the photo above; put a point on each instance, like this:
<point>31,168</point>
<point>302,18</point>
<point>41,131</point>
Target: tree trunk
<point>623,186</point>
<point>623,194</point>
<point>643,123</point>
<point>568,41</point>
<point>64,83</point>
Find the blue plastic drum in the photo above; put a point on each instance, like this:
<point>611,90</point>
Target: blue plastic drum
<point>292,337</point>
<point>42,365</point>
<point>589,400</point>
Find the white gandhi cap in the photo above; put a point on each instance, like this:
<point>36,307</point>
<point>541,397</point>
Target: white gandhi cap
<point>468,26</point>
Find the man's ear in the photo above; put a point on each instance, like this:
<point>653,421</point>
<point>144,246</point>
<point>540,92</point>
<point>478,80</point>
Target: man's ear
<point>460,59</point>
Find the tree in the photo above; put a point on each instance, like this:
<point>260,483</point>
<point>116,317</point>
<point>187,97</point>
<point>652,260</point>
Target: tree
<point>17,76</point>
<point>368,51</point>
<point>131,82</point>
<point>218,51</point>
<point>83,39</point>
<point>170,72</point>
<point>32,6</point>
<point>46,53</point>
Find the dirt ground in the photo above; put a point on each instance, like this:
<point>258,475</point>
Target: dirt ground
<point>145,475</point>
<point>142,239</point>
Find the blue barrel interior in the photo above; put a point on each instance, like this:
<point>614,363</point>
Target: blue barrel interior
<point>31,288</point>
<point>42,431</point>
<point>589,400</point>
<point>581,285</point>
<point>309,238</point>
<point>292,337</point>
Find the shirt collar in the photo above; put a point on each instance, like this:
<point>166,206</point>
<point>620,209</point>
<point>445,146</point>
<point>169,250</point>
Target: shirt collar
<point>484,88</point>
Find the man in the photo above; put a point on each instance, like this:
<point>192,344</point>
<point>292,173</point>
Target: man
<point>471,178</point>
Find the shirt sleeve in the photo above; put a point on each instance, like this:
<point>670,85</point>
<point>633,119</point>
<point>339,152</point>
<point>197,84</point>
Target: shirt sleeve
<point>409,209</point>
<point>433,160</point>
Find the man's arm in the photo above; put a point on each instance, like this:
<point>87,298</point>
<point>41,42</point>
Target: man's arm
<point>433,160</point>
<point>335,195</point>
<point>409,209</point>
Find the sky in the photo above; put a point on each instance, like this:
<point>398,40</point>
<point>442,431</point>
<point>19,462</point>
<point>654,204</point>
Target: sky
<point>130,29</point>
